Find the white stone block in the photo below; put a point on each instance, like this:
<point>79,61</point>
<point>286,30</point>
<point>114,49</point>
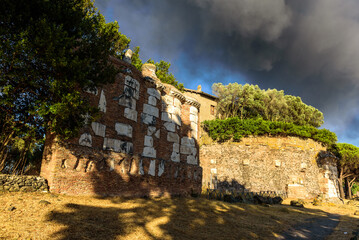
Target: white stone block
<point>177,111</point>
<point>277,163</point>
<point>193,118</point>
<point>123,129</point>
<point>112,164</point>
<point>175,157</point>
<point>131,82</point>
<point>102,102</point>
<point>94,91</point>
<point>185,149</point>
<point>171,127</point>
<point>164,106</point>
<point>117,145</point>
<point>131,92</point>
<point>176,119</point>
<point>154,92</point>
<point>188,141</point>
<point>168,100</point>
<point>170,109</point>
<point>152,100</point>
<point>85,140</point>
<point>150,110</point>
<point>176,147</point>
<point>192,160</point>
<point>148,141</point>
<point>194,151</point>
<point>127,102</point>
<point>148,119</point>
<point>129,147</point>
<point>194,134</point>
<point>131,114</point>
<point>151,130</point>
<point>157,134</point>
<point>193,110</point>
<point>134,85</point>
<point>172,137</point>
<point>194,126</point>
<point>161,168</point>
<point>149,152</point>
<point>165,116</point>
<point>99,129</point>
<point>141,170</point>
<point>177,103</point>
<point>152,168</point>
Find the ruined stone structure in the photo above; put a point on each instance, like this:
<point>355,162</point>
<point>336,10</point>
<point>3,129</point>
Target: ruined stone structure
<point>301,168</point>
<point>144,143</point>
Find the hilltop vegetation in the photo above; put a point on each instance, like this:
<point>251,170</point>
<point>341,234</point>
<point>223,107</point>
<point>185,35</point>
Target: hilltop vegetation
<point>245,110</point>
<point>249,101</point>
<point>235,128</point>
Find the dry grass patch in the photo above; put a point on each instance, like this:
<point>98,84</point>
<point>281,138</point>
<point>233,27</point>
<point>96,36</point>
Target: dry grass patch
<point>69,217</point>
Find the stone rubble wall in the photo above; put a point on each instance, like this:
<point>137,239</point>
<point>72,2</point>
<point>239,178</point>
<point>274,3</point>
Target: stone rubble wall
<point>144,143</point>
<point>280,164</point>
<point>15,183</point>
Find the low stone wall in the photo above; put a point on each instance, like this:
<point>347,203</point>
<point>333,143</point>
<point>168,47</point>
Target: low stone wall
<point>255,164</point>
<point>14,183</point>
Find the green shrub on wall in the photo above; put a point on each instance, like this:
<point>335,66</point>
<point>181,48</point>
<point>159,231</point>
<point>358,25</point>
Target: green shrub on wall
<point>235,129</point>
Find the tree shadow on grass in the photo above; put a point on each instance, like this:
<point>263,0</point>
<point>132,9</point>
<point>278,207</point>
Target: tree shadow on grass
<point>180,218</point>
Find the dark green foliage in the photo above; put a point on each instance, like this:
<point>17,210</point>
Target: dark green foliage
<point>162,69</point>
<point>136,60</point>
<point>347,153</point>
<point>162,72</point>
<point>355,188</point>
<point>50,52</point>
<point>249,101</point>
<point>348,164</point>
<point>236,128</point>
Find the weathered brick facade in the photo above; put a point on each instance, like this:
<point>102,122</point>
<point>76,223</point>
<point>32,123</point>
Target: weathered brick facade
<point>144,144</point>
<point>283,164</point>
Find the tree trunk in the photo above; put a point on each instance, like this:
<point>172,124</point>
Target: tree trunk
<point>351,182</point>
<point>349,191</point>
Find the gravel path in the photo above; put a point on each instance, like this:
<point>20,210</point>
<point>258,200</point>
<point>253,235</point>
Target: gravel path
<point>313,229</point>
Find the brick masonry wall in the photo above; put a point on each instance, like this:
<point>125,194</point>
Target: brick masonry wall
<point>144,143</point>
<point>14,183</point>
<point>286,164</point>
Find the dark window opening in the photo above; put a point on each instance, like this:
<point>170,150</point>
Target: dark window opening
<point>212,110</point>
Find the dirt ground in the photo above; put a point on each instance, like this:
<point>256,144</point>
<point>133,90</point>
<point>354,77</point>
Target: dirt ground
<point>49,216</point>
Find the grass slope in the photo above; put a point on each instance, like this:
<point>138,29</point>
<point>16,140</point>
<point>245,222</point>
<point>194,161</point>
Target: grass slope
<point>48,216</point>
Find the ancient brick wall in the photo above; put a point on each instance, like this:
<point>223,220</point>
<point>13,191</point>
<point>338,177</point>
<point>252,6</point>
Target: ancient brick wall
<point>143,144</point>
<point>283,164</point>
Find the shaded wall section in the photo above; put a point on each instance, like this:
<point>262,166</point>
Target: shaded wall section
<point>144,143</point>
<point>282,164</point>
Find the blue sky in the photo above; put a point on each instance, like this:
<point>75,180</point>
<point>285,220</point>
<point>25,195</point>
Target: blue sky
<point>306,48</point>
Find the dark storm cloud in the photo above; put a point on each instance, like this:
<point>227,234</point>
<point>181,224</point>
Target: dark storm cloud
<point>308,48</point>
